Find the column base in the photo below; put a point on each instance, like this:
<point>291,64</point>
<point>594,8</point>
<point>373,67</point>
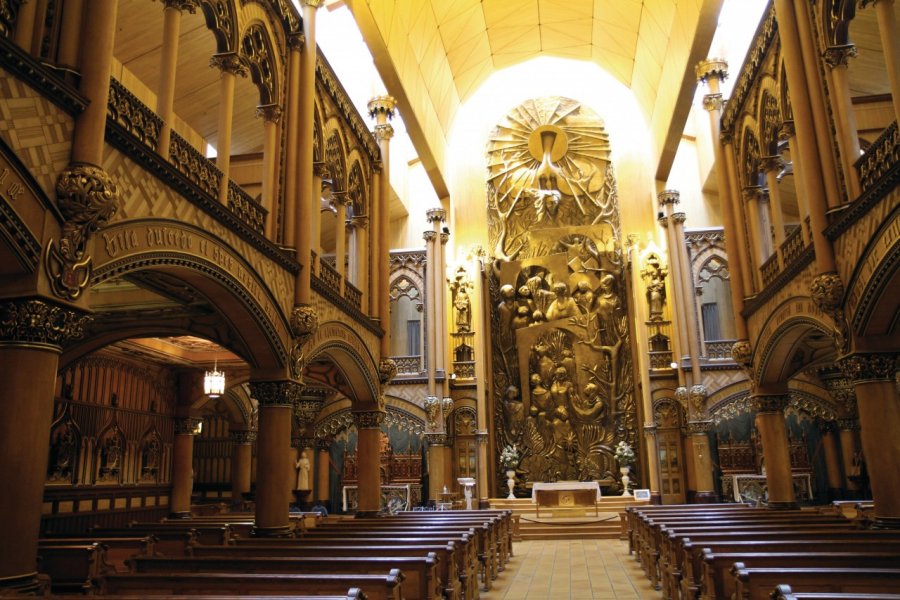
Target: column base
<point>705,498</point>
<point>181,514</point>
<point>268,532</point>
<point>29,584</point>
<point>784,505</point>
<point>367,514</point>
<point>885,523</point>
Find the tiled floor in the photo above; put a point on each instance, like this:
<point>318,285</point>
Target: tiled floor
<point>571,570</point>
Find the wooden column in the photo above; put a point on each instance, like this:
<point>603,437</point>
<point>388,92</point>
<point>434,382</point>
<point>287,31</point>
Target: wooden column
<point>241,462</point>
<point>430,322</point>
<point>323,470</point>
<point>437,444</point>
<point>68,54</point>
<point>443,330</point>
<point>307,200</point>
<point>368,425</point>
<point>276,401</point>
<point>230,66</point>
<point>374,249</point>
<point>381,108</point>
<point>874,377</point>
<point>361,256</point>
<point>712,72</point>
<point>340,227</point>
<point>667,200</point>
<point>168,61</point>
<point>271,115</point>
<point>772,166</point>
<point>481,323</point>
<point>687,294</point>
<point>813,175</point>
<point>837,58</point>
<point>748,282</point>
<point>787,133</point>
<point>751,195</point>
<point>25,21</point>
<point>292,123</point>
<point>850,451</point>
<point>183,467</point>
<point>832,459</point>
<point>29,359</point>
<point>320,186</point>
<point>890,45</point>
<point>98,39</point>
<point>776,450</point>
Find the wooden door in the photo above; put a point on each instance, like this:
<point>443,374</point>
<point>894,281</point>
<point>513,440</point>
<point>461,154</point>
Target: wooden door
<point>671,466</point>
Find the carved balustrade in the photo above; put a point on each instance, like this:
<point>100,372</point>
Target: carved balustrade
<point>353,295</point>
<point>880,158</point>
<point>329,275</point>
<point>136,117</point>
<point>770,269</point>
<point>718,349</point>
<point>188,161</point>
<point>408,365</point>
<point>792,246</point>
<point>246,208</point>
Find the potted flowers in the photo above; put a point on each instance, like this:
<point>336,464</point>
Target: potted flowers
<point>509,459</point>
<point>625,458</point>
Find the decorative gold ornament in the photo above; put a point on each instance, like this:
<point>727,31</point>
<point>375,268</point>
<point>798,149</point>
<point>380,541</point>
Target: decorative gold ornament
<point>87,198</point>
<point>384,132</point>
<point>698,395</point>
<point>770,403</point>
<point>382,105</point>
<point>242,436</point>
<point>870,367</point>
<point>229,62</point>
<point>35,322</point>
<point>713,102</point>
<point>270,113</point>
<point>188,426</point>
<point>827,293</point>
<point>369,419</point>
<point>712,68</point>
<point>275,393</point>
<point>387,370</point>
<point>304,323</point>
<point>307,409</point>
<point>839,56</point>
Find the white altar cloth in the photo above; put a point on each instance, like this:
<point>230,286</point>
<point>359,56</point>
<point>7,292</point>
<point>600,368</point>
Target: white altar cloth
<point>564,485</point>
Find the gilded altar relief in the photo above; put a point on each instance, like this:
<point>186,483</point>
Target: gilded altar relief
<point>563,389</point>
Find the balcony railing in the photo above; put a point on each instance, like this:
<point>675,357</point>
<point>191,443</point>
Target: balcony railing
<point>353,294</point>
<point>246,208</point>
<point>718,349</point>
<point>770,269</point>
<point>408,365</point>
<point>880,158</point>
<point>792,246</point>
<point>329,275</point>
<point>136,117</point>
<point>661,359</point>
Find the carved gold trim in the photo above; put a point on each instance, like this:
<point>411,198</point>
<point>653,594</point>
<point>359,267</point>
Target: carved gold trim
<point>369,419</point>
<point>229,62</point>
<point>711,68</point>
<point>870,367</point>
<point>770,403</point>
<point>39,324</point>
<point>242,436</point>
<point>275,393</point>
<point>382,105</point>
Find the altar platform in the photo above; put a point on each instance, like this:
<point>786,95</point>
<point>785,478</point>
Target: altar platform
<point>569,523</point>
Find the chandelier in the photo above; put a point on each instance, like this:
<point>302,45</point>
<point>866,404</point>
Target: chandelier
<point>214,381</point>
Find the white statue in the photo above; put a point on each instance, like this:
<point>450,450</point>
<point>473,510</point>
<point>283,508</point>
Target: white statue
<point>302,471</point>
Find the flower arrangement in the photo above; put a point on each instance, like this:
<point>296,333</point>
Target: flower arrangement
<point>509,457</point>
<point>624,454</point>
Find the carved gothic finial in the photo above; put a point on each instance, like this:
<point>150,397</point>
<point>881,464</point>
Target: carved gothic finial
<point>827,293</point>
<point>384,105</point>
<point>837,56</point>
<point>711,67</point>
<point>87,198</point>
<point>229,62</point>
<point>39,323</point>
<point>270,113</point>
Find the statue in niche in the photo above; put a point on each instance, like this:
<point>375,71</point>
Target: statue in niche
<point>655,275</point>
<point>110,455</point>
<point>515,414</point>
<point>563,306</point>
<point>302,465</point>
<point>463,308</point>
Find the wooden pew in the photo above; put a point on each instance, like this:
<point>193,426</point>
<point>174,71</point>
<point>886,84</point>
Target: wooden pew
<point>211,533</point>
<point>464,555</point>
<point>502,522</point>
<point>351,594</point>
<point>448,575</point>
<point>73,568</point>
<point>666,560</point>
<point>757,584</point>
<point>375,587</point>
<point>784,592</point>
<point>172,542</point>
<point>420,572</point>
<point>717,582</point>
<point>853,541</point>
<point>118,550</point>
<point>635,515</point>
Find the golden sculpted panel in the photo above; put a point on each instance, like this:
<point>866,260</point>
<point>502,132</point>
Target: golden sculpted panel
<point>563,389</point>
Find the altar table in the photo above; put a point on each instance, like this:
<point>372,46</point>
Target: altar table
<point>565,494</point>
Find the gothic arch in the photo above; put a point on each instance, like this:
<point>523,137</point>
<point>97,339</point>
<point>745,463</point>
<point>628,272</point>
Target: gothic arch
<point>336,157</point>
<point>265,72</point>
<point>347,354</point>
<point>357,190</point>
<point>222,21</point>
<point>797,343</point>
<point>875,286</point>
<point>750,155</point>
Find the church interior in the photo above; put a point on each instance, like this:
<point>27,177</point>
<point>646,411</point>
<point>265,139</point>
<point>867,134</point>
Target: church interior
<point>317,263</point>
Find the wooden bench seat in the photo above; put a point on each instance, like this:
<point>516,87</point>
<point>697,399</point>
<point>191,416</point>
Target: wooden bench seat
<point>464,555</point>
<point>691,546</point>
<point>173,542</point>
<point>207,533</point>
<point>784,592</point>
<point>351,594</point>
<point>118,550</point>
<point>446,565</point>
<point>692,568</point>
<point>420,572</point>
<point>757,584</point>
<point>375,587</point>
<point>717,582</point>
<point>73,568</point>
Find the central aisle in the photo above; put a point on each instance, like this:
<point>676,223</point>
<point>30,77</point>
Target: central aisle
<point>571,570</point>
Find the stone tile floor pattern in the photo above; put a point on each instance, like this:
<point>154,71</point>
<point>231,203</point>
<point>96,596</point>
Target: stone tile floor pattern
<point>571,570</point>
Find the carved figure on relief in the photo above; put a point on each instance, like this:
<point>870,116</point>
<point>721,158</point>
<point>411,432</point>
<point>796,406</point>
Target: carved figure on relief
<point>463,308</point>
